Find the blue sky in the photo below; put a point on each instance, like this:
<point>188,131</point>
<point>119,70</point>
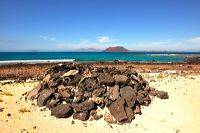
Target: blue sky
<point>74,24</point>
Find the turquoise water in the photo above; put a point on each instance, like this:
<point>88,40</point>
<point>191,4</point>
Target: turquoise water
<point>97,56</point>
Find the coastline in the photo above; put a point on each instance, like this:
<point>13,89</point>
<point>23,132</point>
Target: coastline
<point>179,113</point>
<point>36,71</point>
<point>80,57</point>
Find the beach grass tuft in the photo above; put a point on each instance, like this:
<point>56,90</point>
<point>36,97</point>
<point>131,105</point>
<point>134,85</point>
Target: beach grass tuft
<point>161,76</point>
<point>148,76</point>
<point>6,93</point>
<point>24,110</point>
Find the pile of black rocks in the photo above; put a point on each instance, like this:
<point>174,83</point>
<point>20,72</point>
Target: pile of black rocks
<point>79,90</point>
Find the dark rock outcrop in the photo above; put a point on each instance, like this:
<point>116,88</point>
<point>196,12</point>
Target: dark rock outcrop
<point>79,90</point>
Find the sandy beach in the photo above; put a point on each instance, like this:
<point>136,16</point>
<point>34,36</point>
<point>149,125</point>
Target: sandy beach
<point>179,113</point>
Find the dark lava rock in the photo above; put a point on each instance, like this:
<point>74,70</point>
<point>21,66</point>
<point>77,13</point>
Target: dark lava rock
<point>147,100</point>
<point>58,96</point>
<point>129,94</point>
<point>107,101</point>
<point>83,116</point>
<point>62,111</point>
<point>77,78</point>
<point>84,106</point>
<point>137,86</point>
<point>53,83</point>
<point>120,79</point>
<point>99,92</point>
<point>140,98</point>
<point>65,93</point>
<point>159,94</point>
<point>130,114</point>
<point>129,72</point>
<point>117,110</point>
<point>94,75</point>
<point>44,96</point>
<point>153,93</point>
<point>162,95</point>
<point>31,95</point>
<point>51,103</point>
<point>106,79</point>
<point>78,97</point>
<point>90,84</point>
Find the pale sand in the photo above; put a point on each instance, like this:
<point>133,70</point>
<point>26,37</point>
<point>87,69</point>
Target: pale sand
<point>179,113</point>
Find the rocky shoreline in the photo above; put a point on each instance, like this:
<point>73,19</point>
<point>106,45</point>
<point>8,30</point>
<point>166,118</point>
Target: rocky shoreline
<point>22,72</point>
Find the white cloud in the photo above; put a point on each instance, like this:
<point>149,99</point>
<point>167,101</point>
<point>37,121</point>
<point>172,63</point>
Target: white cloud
<point>101,43</point>
<point>194,40</point>
<point>160,45</point>
<point>82,44</point>
<point>105,39</point>
<point>47,38</point>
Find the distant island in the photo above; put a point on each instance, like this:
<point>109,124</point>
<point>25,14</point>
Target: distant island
<point>116,49</point>
<point>88,50</point>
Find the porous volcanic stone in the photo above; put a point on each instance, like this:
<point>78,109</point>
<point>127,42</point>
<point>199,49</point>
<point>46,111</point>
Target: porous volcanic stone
<point>117,110</point>
<point>120,79</point>
<point>84,106</point>
<point>62,111</point>
<point>130,114</point>
<point>106,79</point>
<point>44,96</point>
<point>31,95</point>
<point>162,95</point>
<point>51,103</point>
<point>83,116</point>
<point>99,92</point>
<point>129,94</point>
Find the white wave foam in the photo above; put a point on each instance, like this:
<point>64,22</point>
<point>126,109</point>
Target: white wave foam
<point>162,54</point>
<point>35,61</point>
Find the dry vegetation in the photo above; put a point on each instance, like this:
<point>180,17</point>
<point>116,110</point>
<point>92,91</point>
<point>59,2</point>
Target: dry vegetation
<point>24,110</point>
<point>6,93</point>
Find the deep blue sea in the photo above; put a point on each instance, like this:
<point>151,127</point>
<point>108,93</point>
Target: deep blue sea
<point>96,56</point>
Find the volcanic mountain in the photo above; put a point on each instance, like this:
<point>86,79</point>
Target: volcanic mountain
<point>116,49</point>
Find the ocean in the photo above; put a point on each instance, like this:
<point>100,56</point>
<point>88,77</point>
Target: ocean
<point>37,57</point>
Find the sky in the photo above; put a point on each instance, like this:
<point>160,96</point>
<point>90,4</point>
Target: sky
<point>64,25</point>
